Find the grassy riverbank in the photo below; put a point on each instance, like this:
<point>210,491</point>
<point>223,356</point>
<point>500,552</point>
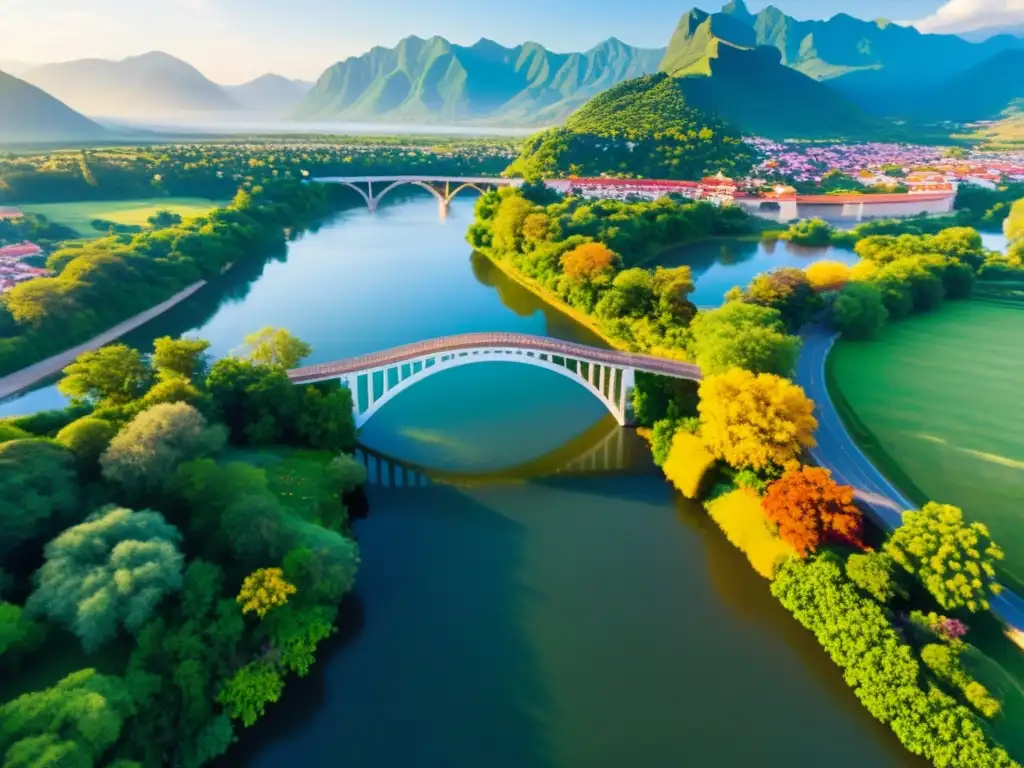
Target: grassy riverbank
<point>935,403</point>
<point>79,216</point>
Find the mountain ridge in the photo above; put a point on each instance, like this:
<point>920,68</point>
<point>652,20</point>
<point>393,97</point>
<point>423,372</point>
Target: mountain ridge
<point>29,114</point>
<point>434,80</point>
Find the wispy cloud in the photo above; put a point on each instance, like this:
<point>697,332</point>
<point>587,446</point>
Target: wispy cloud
<point>968,15</point>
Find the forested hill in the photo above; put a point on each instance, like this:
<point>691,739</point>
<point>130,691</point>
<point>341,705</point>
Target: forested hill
<point>433,80</point>
<point>644,127</point>
<point>29,114</point>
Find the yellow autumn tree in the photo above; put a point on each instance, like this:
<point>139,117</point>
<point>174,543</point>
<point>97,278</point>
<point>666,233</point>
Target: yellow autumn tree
<point>687,464</point>
<point>755,420</point>
<point>263,590</point>
<point>828,275</point>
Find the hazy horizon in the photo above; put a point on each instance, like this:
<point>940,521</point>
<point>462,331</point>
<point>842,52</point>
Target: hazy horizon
<point>233,43</point>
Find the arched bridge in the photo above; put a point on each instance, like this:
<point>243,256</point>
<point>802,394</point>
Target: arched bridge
<point>444,188</point>
<point>377,378</point>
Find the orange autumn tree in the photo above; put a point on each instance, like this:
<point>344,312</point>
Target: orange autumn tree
<point>811,509</point>
<point>587,262</point>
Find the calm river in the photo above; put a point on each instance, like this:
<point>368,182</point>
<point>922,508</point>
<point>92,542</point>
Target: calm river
<point>564,619</point>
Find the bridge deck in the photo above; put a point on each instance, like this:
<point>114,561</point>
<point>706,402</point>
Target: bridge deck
<point>470,341</point>
<point>427,179</point>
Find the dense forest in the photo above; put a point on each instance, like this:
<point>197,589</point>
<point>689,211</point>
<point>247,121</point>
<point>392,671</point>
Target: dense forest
<point>643,127</point>
<point>179,539</point>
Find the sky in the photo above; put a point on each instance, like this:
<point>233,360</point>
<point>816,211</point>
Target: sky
<point>232,41</point>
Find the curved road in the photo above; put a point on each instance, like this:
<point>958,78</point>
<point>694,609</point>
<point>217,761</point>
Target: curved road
<point>837,452</point>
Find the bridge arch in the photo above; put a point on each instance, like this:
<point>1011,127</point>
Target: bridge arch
<point>609,375</point>
<point>605,387</point>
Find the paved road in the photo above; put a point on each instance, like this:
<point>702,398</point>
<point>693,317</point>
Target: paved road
<point>837,452</point>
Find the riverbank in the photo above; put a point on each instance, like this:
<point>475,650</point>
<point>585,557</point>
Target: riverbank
<point>13,383</point>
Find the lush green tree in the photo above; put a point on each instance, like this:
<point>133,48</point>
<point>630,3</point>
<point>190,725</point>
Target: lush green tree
<point>507,225</point>
<point>172,390</point>
<point>945,663</point>
<point>875,573</point>
<point>958,280</point>
<point>345,473</point>
<point>259,404</point>
<point>144,455</point>
<point>113,375</point>
<point>19,634</point>
<point>110,571</point>
<point>275,347</point>
<point>953,559</point>
<point>38,493</point>
<point>246,694</point>
<point>881,668</point>
<point>164,219</point>
<point>325,418</point>
<point>184,358</point>
<point>177,669</point>
<point>322,576</point>
<point>755,421</point>
<point>858,312</point>
<point>788,290</point>
<point>741,335</point>
<point>258,530</point>
<point>72,723</point>
<point>87,438</point>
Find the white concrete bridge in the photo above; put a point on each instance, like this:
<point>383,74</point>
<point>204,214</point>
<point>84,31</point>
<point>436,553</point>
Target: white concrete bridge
<point>378,378</point>
<point>444,188</point>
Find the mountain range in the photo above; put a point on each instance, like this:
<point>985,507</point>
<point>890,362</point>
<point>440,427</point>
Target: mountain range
<point>436,81</point>
<point>28,114</point>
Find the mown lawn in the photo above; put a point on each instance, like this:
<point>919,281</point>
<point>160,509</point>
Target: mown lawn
<point>79,216</point>
<point>936,403</point>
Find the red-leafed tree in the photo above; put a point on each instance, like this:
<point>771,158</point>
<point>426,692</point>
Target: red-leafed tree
<point>811,509</point>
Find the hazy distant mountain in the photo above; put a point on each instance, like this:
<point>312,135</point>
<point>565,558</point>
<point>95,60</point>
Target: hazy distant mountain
<point>269,94</point>
<point>147,86</point>
<point>981,35</point>
<point>27,114</point>
<point>987,91</point>
<point>878,51</point>
<point>436,81</point>
<point>721,70</point>
<point>16,68</point>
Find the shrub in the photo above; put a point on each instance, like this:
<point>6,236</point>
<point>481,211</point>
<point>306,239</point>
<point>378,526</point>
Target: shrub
<point>688,464</point>
<point>858,311</point>
<point>875,573</point>
<point>828,275</point>
<point>739,516</point>
<point>87,438</point>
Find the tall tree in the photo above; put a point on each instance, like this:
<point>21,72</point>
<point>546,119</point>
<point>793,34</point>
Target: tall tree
<point>276,347</point>
<point>184,358</point>
<point>110,571</point>
<point>114,375</point>
<point>811,509</point>
<point>954,559</point>
<point>742,335</point>
<point>755,421</point>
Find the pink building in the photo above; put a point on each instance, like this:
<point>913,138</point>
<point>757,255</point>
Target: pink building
<point>9,214</point>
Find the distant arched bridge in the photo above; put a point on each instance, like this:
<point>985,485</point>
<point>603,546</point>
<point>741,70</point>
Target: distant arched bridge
<point>444,188</point>
<point>377,378</point>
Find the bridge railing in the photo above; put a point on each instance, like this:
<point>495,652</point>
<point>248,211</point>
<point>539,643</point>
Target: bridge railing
<point>468,341</point>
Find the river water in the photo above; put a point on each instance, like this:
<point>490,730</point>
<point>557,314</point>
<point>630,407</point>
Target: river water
<point>564,610</point>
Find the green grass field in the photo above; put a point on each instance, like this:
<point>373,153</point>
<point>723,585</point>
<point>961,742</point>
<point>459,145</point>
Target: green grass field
<point>936,403</point>
<point>79,215</point>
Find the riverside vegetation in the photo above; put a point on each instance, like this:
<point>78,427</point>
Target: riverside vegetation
<point>874,602</point>
<point>187,526</point>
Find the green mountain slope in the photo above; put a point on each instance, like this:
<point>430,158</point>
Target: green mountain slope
<point>986,91</point>
<point>27,114</point>
<point>436,81</point>
<point>151,85</point>
<point>643,127</point>
<point>721,72</point>
<point>880,50</point>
